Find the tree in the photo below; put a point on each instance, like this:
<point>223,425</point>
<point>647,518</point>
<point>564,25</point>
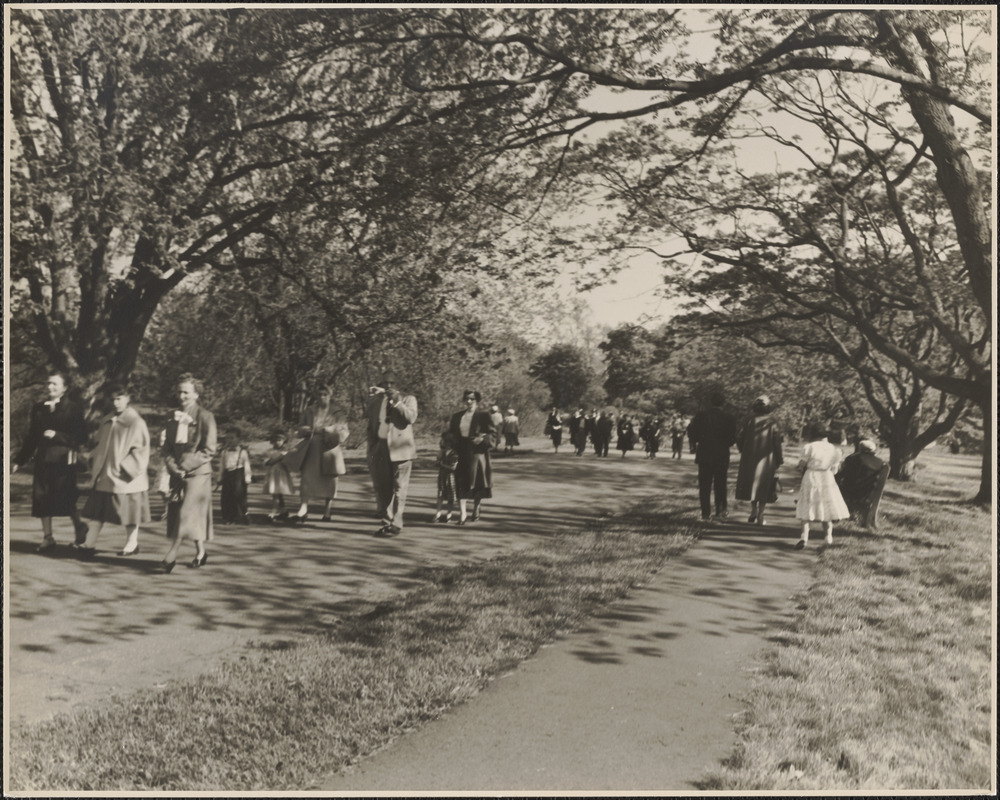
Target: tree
<point>567,371</point>
<point>927,65</point>
<point>155,144</point>
<point>629,357</point>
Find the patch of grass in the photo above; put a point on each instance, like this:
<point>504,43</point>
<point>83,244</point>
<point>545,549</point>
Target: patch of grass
<point>883,681</point>
<point>322,699</point>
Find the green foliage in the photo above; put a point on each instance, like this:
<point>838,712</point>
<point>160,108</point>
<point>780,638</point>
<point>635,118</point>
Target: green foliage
<point>566,370</point>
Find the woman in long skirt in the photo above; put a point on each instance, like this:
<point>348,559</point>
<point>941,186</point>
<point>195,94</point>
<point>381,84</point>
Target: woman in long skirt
<point>191,442</point>
<point>760,456</point>
<point>323,460</point>
<point>474,434</point>
<point>55,434</point>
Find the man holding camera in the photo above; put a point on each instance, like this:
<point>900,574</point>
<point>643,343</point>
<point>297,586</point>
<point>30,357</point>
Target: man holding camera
<point>391,450</point>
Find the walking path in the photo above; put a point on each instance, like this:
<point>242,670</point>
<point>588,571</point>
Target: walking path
<point>641,699</point>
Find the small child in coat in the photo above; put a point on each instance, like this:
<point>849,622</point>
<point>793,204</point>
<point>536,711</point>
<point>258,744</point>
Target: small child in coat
<point>234,477</point>
<point>819,496</point>
<point>278,480</point>
<point>447,462</point>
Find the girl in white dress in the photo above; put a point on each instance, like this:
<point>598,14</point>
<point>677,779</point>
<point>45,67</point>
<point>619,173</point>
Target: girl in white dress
<point>819,497</point>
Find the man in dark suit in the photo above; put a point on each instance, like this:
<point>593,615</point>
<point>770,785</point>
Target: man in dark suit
<point>711,433</point>
<point>602,433</point>
<point>391,450</point>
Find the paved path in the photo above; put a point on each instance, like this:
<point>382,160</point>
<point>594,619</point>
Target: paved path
<point>642,699</point>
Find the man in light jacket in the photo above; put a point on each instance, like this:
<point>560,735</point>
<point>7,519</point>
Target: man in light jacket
<point>119,466</point>
<point>391,450</point>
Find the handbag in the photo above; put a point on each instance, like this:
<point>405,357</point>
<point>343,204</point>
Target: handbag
<point>332,462</point>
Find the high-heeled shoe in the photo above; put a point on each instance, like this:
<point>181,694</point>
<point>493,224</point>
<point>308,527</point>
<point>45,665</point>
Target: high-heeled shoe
<point>299,519</point>
<point>475,515</point>
<point>461,520</point>
<point>166,568</point>
<point>199,562</point>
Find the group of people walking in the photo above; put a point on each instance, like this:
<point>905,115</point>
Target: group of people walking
<point>120,460</point>
<point>825,480</point>
<point>189,443</point>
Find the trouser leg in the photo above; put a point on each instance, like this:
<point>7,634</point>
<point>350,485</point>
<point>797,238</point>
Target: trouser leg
<point>719,481</point>
<point>705,474</point>
<point>400,488</point>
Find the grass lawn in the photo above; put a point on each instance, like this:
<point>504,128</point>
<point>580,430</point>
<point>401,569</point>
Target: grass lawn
<point>884,681</point>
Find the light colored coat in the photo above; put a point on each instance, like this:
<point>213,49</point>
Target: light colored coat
<point>120,462</point>
<point>400,440</point>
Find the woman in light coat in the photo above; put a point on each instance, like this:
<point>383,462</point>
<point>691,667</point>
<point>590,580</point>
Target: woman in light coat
<point>119,465</point>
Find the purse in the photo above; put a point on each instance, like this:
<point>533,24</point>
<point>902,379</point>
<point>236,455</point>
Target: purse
<point>332,462</point>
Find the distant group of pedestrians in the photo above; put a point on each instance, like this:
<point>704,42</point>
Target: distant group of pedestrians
<point>598,428</point>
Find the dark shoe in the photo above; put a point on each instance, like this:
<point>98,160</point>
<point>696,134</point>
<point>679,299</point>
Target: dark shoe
<point>86,553</point>
<point>199,562</point>
<point>475,515</point>
<point>81,533</point>
<point>461,520</point>
<point>437,519</point>
<point>327,518</point>
<point>299,519</point>
<point>166,568</point>
<point>45,546</point>
<point>383,532</point>
<point>394,530</point>
<point>131,552</point>
<point>800,544</point>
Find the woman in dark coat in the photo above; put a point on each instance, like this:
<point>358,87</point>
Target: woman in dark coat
<point>759,443</point>
<point>626,435</point>
<point>55,433</point>
<point>191,442</point>
<point>474,434</point>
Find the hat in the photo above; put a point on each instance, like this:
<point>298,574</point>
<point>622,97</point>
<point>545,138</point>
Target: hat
<point>510,410</point>
<point>868,446</point>
<point>762,405</point>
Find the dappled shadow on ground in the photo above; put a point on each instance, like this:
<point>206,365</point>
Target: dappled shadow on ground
<point>266,581</point>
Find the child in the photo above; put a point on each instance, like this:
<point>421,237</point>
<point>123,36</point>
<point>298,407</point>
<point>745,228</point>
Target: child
<point>447,462</point>
<point>819,497</point>
<point>234,477</point>
<point>278,481</point>
<point>163,477</point>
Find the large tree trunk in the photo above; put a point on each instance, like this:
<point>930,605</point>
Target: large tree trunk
<point>985,495</point>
